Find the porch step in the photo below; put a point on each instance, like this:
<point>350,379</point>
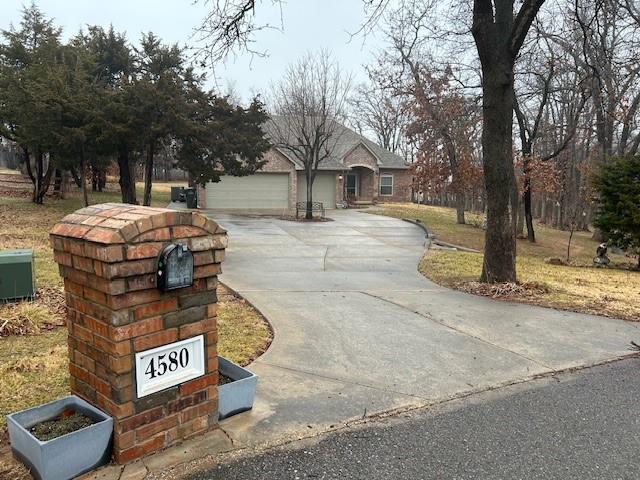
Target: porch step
<point>362,203</point>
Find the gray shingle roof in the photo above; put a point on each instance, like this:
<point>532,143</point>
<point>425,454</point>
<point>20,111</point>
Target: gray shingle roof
<point>347,141</point>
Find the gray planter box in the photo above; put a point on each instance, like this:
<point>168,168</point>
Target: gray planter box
<point>67,456</point>
<point>237,396</point>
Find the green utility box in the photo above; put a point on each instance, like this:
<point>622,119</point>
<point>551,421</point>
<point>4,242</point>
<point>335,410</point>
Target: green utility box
<point>17,278</point>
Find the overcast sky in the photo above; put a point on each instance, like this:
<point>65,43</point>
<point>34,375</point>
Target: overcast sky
<point>308,25</point>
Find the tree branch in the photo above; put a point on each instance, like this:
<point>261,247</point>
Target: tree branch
<point>521,24</point>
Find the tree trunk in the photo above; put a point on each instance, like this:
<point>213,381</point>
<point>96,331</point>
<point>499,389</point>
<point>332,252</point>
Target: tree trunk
<point>102,179</point>
<point>27,160</point>
<point>528,214</point>
<point>39,175</point>
<point>520,221</point>
<point>572,229</point>
<point>499,36</point>
<point>42,177</point>
<point>58,184</point>
<point>76,178</point>
<point>549,212</point>
<point>309,209</point>
<point>83,177</point>
<point>460,208</point>
<point>526,195</point>
<point>499,263</point>
<point>127,179</point>
<point>148,176</point>
<point>46,181</point>
<point>94,178</point>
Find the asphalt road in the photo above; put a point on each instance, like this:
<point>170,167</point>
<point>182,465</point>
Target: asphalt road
<point>584,425</point>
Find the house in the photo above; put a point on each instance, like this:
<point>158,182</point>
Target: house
<point>358,170</point>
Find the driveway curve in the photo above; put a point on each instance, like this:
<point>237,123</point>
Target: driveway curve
<point>358,331</point>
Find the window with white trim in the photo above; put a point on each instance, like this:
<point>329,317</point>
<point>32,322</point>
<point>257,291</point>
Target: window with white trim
<point>386,184</point>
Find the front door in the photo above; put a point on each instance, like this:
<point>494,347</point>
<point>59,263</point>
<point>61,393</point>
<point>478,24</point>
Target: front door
<point>352,185</point>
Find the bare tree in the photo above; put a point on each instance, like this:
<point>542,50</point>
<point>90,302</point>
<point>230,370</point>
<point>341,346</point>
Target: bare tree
<point>230,24</point>
<point>308,105</point>
<point>608,33</point>
<point>499,35</point>
<point>376,109</point>
<point>442,117</point>
<point>547,76</point>
<point>499,29</point>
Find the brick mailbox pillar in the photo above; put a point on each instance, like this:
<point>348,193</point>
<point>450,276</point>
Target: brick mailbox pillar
<point>146,356</point>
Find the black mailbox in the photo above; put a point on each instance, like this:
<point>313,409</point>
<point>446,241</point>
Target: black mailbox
<point>175,267</point>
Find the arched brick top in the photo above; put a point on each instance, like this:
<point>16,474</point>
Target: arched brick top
<point>118,223</point>
<point>361,156</point>
<point>362,165</point>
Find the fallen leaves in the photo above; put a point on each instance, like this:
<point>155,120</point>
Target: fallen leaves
<point>503,290</point>
<point>45,312</point>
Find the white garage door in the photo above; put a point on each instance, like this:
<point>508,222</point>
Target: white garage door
<point>261,191</point>
<point>324,189</point>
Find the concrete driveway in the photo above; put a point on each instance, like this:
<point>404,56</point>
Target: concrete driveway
<point>358,331</point>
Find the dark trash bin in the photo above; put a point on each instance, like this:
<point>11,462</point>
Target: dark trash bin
<point>175,193</point>
<point>192,198</point>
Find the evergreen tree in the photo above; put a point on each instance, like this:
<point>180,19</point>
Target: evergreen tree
<point>618,214</point>
<point>119,132</point>
<point>31,63</point>
<point>158,98</point>
<point>76,106</point>
<point>76,138</point>
<point>218,138</point>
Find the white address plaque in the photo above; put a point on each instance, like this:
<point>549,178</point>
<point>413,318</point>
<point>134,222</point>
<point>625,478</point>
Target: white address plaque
<point>172,364</point>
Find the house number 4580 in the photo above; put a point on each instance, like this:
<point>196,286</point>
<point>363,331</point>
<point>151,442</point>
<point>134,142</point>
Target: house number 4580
<point>169,365</point>
<point>170,362</point>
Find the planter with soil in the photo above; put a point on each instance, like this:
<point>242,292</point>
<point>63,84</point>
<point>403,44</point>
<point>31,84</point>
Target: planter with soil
<point>236,390</point>
<point>61,439</point>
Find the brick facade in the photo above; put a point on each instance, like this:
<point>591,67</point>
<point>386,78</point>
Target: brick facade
<point>360,160</point>
<point>361,156</point>
<point>107,256</point>
<point>402,183</point>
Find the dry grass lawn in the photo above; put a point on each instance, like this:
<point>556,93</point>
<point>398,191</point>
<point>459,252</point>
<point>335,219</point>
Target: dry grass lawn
<point>243,334</point>
<point>33,364</point>
<point>579,286</point>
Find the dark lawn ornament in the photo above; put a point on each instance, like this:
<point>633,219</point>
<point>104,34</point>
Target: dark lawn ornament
<point>601,259</point>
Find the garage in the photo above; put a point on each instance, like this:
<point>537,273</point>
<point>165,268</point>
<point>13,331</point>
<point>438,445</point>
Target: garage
<point>261,191</point>
<point>324,189</point>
